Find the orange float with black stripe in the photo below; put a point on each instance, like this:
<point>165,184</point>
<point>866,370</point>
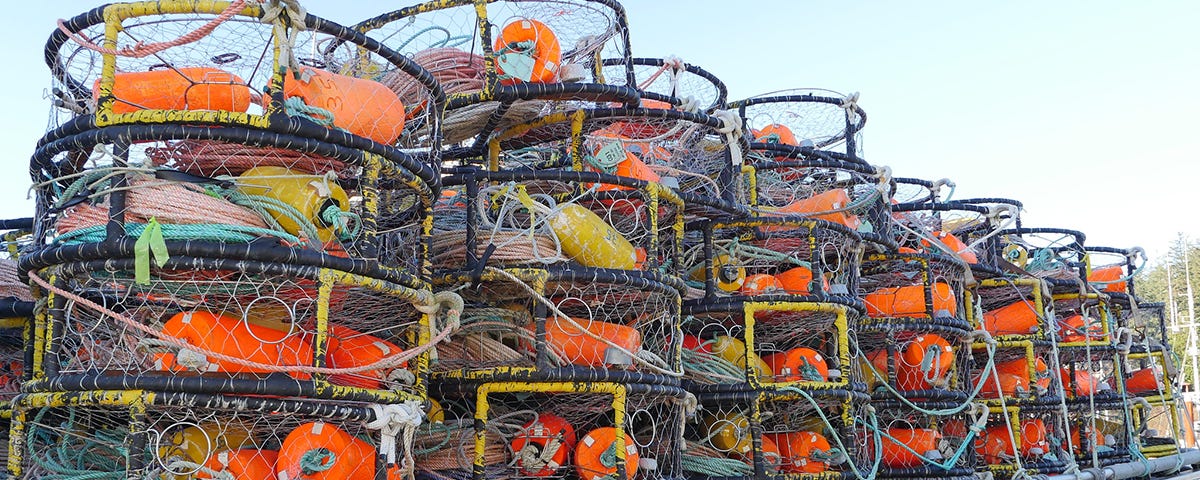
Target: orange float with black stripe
<point>801,452</point>
<point>1110,277</point>
<point>579,348</point>
<point>1017,318</point>
<point>350,349</point>
<point>236,338</point>
<point>183,88</point>
<point>798,365</point>
<point>360,106</point>
<point>909,301</point>
<point>821,206</point>
<point>898,441</point>
<point>926,360</point>
<point>1146,380</point>
<point>798,281</point>
<point>532,39</point>
<point>322,451</point>
<point>996,445</point>
<point>242,464</point>
<point>954,244</point>
<point>596,459</point>
<point>760,284</point>
<point>543,445</point>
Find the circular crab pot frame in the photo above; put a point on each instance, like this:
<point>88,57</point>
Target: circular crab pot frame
<point>238,74</point>
<point>563,324</point>
<point>503,61</point>
<point>965,229</point>
<point>919,445</point>
<point>794,434</point>
<point>769,344</point>
<point>1085,319</point>
<point>293,200</point>
<point>819,119</point>
<point>820,184</point>
<point>585,430</point>
<point>1024,375</point>
<point>668,80</point>
<point>214,325</point>
<point>555,219</point>
<point>1156,427</point>
<point>1037,435</point>
<point>1100,434</point>
<point>1112,270</point>
<point>1012,308</point>
<point>142,434</point>
<point>1057,255</point>
<point>919,190</point>
<point>683,151</point>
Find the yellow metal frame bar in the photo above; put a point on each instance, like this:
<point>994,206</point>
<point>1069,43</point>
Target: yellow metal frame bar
<point>1039,291</point>
<point>841,330</point>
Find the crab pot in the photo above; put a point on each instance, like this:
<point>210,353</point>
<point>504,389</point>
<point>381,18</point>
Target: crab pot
<point>1098,435</point>
<point>801,118</point>
<point>1111,270</point>
<point>231,192</point>
<point>503,61</point>
<point>919,361</point>
<point>826,185</point>
<point>966,228</point>
<point>1084,319</point>
<point>664,81</point>
<point>1092,374</point>
<point>237,75</point>
<point>205,325</point>
<point>1054,254</point>
<point>1148,329</point>
<point>1012,308</point>
<point>563,324</point>
<point>555,219</point>
<point>1023,374</point>
<point>1034,435</point>
<point>139,434</point>
<point>926,446</point>
<point>1157,427</point>
<point>587,430</point>
<point>1150,374</point>
<point>779,433</point>
<point>914,287</point>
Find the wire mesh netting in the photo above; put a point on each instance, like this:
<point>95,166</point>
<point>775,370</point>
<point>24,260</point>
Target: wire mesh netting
<point>815,118</point>
<point>668,80</point>
<point>916,444</point>
<point>1032,440</point>
<point>1157,428</point>
<point>1012,308</point>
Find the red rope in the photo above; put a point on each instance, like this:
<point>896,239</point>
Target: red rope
<point>140,49</point>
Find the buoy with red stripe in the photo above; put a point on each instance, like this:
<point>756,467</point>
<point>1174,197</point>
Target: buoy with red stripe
<point>909,301</point>
<point>596,455</point>
<point>543,445</point>
<point>242,464</point>
<point>799,364</point>
<point>322,451</point>
<point>802,452</point>
<point>1017,318</point>
<point>527,51</point>
<point>235,338</point>
<point>177,88</point>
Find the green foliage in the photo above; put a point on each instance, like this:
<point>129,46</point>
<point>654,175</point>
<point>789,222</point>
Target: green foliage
<point>1151,285</point>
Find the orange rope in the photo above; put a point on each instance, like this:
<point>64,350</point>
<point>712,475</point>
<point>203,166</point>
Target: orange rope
<point>169,203</point>
<point>212,158</point>
<point>140,49</point>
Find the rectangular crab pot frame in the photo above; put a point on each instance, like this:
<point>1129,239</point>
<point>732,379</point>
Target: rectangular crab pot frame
<point>1024,371</point>
<point>1012,308</point>
<point>205,325</point>
<point>1083,320</point>
<point>914,362</point>
<point>246,193</point>
<point>1100,435</point>
<point>1034,436</point>
<point>914,288</point>
<point>503,61</point>
<point>966,228</point>
<point>1148,325</point>
<point>685,151</point>
<point>668,80</point>
<point>938,442</point>
<point>748,344</point>
<point>584,430</point>
<point>556,219</point>
<point>564,324</point>
<point>1151,375</point>
<point>240,72</point>
<point>781,180</point>
<point>784,433</point>
<point>141,434</point>
<point>1157,429</point>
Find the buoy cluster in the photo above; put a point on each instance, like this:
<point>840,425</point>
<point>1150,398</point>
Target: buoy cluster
<point>469,240</point>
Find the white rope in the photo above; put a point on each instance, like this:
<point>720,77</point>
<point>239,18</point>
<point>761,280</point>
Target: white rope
<point>731,126</point>
<point>395,420</point>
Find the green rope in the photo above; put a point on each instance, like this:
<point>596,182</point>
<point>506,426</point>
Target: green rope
<point>341,220</point>
<point>295,106</point>
<point>715,467</point>
<point>872,422</point>
<point>202,231</point>
<point>317,460</point>
<point>449,41</point>
<point>98,455</point>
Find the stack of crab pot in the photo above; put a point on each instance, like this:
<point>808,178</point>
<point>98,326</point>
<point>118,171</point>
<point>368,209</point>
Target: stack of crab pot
<point>772,308</point>
<point>229,249</point>
<point>559,221</point>
<point>1091,359</point>
<point>1149,371</point>
<point>16,309</point>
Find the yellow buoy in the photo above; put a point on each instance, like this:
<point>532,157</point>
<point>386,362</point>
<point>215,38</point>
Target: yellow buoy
<point>734,351</point>
<point>729,432</point>
<point>584,236</point>
<point>318,199</point>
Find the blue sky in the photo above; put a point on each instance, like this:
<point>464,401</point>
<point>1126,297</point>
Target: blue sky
<point>1083,110</point>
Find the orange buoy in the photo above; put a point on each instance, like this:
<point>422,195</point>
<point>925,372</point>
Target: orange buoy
<point>898,441</point>
<point>877,360</point>
<point>617,160</point>
<point>775,133</point>
<point>235,338</point>
<point>530,50</point>
<point>1010,385</point>
<point>1146,380</point>
<point>696,344</point>
<point>996,445</point>
<point>760,284</point>
<point>1078,328</point>
<point>543,444</point>
<point>797,281</point>
<point>363,107</point>
<point>1077,439</point>
<point>820,206</point>
<point>349,349</point>
<point>596,455</point>
<point>242,464</point>
<point>1109,278</point>
<point>957,246</point>
<point>772,458</point>
<point>798,365</point>
<point>801,452</point>
<point>909,301</point>
<point>1083,384</point>
<point>925,362</point>
<point>184,88</point>
<point>1018,318</point>
<point>581,349</point>
<point>322,451</point>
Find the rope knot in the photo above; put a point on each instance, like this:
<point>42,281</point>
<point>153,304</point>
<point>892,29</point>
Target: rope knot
<point>731,126</point>
<point>393,421</point>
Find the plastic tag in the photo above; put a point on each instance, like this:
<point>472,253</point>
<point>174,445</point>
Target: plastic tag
<point>516,65</point>
<point>610,155</point>
<point>150,242</point>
